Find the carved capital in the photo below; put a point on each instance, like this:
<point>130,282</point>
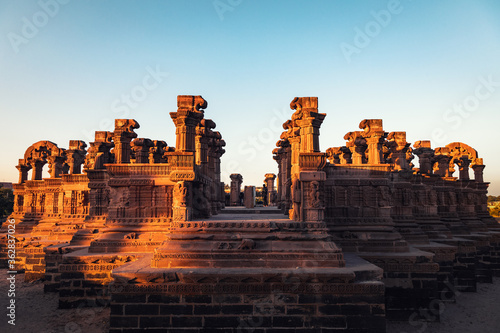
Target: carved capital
<point>425,156</point>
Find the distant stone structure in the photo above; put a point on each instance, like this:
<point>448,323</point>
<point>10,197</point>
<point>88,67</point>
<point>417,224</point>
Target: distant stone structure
<point>6,185</point>
<point>236,180</point>
<point>271,192</point>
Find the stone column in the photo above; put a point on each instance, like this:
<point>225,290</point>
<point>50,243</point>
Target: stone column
<point>398,148</point>
<point>442,159</point>
<point>23,171</point>
<point>357,145</point>
<point>236,180</point>
<point>189,114</point>
<point>219,185</point>
<point>38,169</point>
<point>374,135</point>
<point>478,170</point>
<point>99,151</point>
<point>425,156</point>
<point>339,155</point>
<point>282,157</point>
<point>55,165</point>
<point>309,120</point>
<point>294,154</point>
<point>307,161</point>
<point>156,152</point>
<point>140,147</point>
<point>463,165</point>
<point>76,156</point>
<point>269,180</point>
<point>277,158</point>
<point>203,137</point>
<point>122,136</point>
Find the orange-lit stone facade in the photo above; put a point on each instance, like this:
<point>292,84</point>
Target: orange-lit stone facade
<point>359,233</point>
<point>122,194</point>
<point>412,222</point>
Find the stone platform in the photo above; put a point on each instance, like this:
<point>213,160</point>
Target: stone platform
<point>247,271</point>
<point>298,299</point>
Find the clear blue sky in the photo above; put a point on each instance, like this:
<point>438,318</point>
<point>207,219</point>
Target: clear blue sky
<point>430,68</point>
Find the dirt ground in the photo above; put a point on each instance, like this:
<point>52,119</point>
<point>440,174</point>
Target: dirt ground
<point>473,312</point>
<point>37,311</point>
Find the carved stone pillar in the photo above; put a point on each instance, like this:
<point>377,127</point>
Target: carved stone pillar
<point>271,193</point>
<point>374,135</point>
<point>425,156</point>
<point>287,181</point>
<point>478,170</point>
<point>76,156</point>
<point>399,149</point>
<point>140,147</point>
<point>339,155</point>
<point>295,212</point>
<point>56,166</point>
<point>189,114</point>
<point>282,158</point>
<point>99,151</point>
<point>38,168</point>
<point>463,165</point>
<point>182,199</point>
<point>122,136</point>
<point>156,152</point>
<point>277,158</point>
<point>23,171</point>
<point>212,159</point>
<point>236,180</point>
<point>310,188</point>
<point>294,154</point>
<point>357,145</point>
<point>442,162</point>
<point>218,184</point>
<point>306,160</point>
<point>309,120</point>
<point>202,139</point>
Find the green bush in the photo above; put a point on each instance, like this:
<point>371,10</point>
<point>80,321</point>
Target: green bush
<point>6,201</point>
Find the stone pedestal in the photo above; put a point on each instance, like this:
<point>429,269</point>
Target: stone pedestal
<point>249,196</point>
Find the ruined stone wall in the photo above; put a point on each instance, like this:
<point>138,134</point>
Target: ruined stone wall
<point>422,223</point>
<point>123,199</point>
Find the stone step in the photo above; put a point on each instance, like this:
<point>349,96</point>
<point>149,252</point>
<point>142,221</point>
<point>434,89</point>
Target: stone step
<point>256,210</point>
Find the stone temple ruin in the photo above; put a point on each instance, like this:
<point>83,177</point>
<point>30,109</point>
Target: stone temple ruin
<point>363,235</point>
